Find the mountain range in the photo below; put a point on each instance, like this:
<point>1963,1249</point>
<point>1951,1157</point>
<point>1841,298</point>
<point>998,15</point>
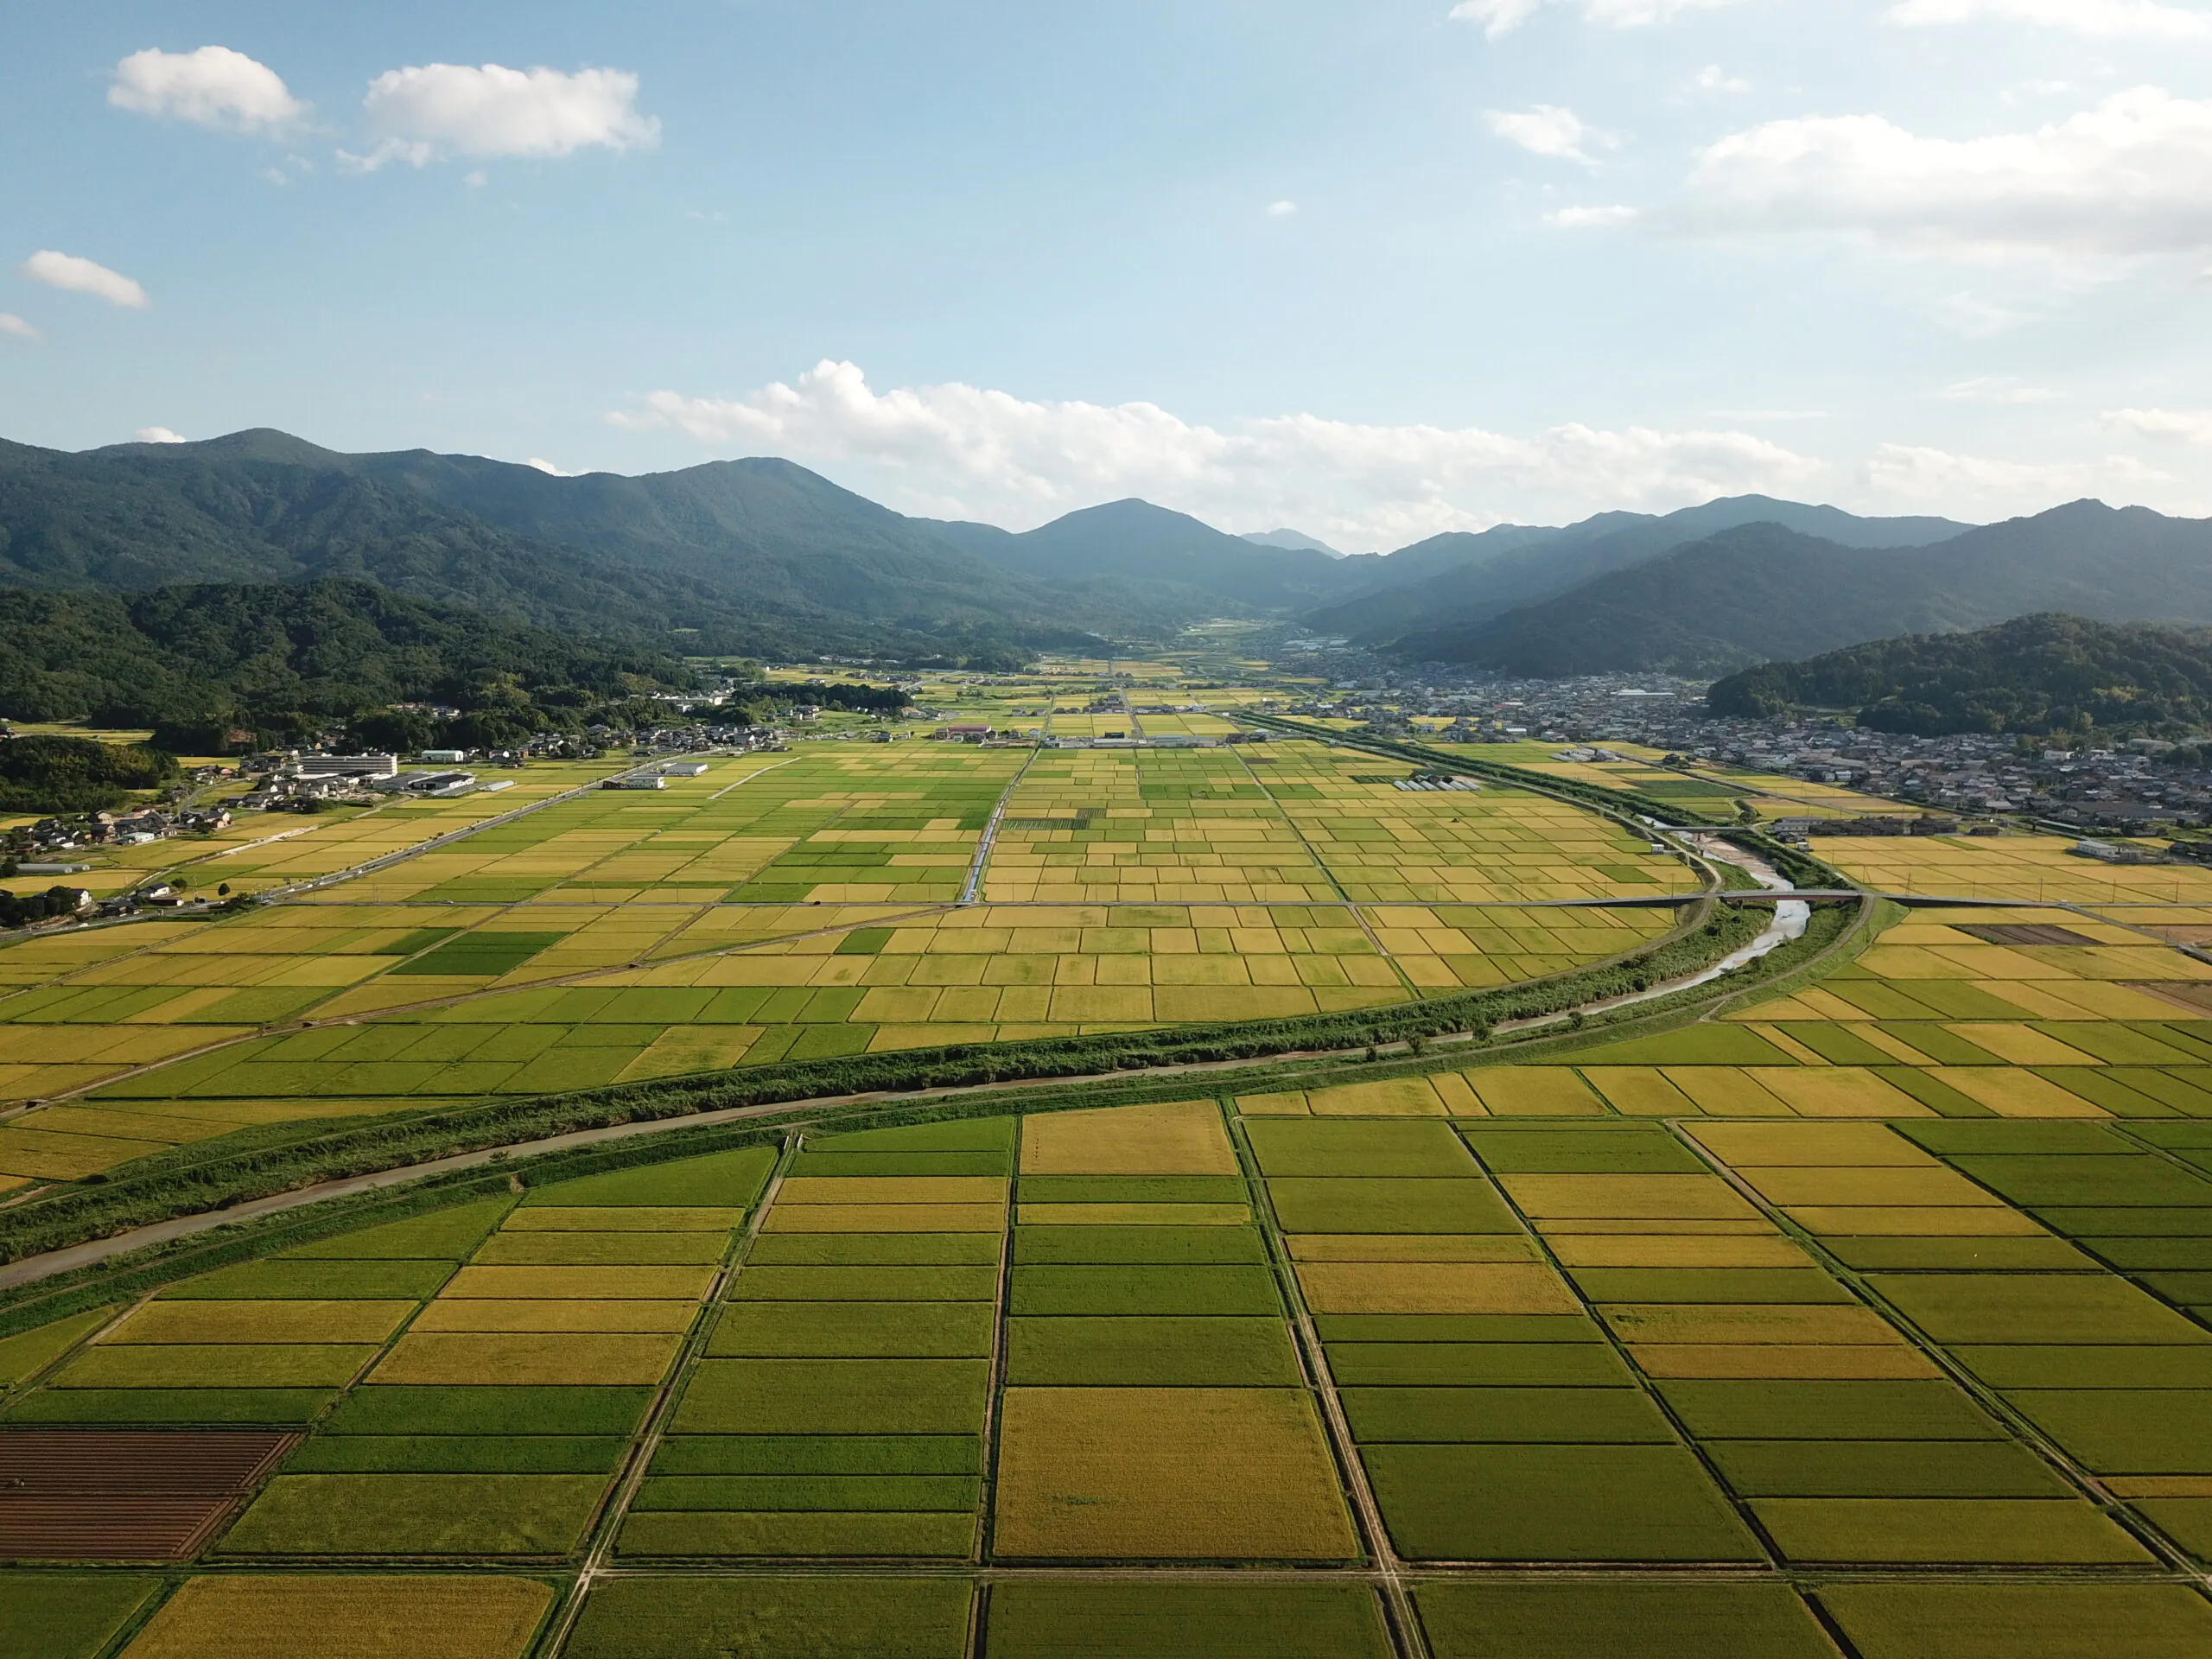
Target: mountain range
<point>763,557</point>
<point>1460,577</point>
<point>1760,591</point>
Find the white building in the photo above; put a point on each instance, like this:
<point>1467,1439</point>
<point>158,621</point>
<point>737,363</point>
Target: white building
<point>346,766</point>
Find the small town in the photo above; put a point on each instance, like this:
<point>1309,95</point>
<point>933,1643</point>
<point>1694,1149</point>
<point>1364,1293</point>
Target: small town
<point>2130,788</point>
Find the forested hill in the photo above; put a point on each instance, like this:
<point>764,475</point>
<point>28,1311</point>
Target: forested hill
<point>2050,673</point>
<point>761,557</point>
<point>1764,592</point>
<point>279,658</point>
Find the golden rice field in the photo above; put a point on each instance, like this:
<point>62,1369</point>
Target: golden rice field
<point>791,906</point>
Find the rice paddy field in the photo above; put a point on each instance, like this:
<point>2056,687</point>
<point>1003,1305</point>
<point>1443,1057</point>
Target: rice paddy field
<point>1865,1317</point>
<point>1826,1354</point>
<point>836,901</point>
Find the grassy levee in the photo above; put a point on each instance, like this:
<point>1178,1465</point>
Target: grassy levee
<point>1836,934</point>
<point>1612,802</point>
<point>184,1183</point>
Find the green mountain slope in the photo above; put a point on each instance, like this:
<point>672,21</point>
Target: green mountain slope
<point>2048,673</point>
<point>750,555</point>
<point>267,655</point>
<point>1762,593</point>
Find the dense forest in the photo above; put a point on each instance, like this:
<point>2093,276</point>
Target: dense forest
<point>76,774</point>
<point>757,557</point>
<point>289,662</point>
<point>2048,674</point>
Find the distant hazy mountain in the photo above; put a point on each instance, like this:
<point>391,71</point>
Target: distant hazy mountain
<point>2048,673</point>
<point>1761,592</point>
<point>1132,549</point>
<point>1291,538</point>
<point>1461,578</point>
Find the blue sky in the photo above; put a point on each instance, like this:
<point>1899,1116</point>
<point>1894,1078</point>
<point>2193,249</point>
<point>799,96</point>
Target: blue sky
<point>1373,268</point>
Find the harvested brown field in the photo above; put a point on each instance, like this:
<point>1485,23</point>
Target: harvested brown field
<point>136,1495</point>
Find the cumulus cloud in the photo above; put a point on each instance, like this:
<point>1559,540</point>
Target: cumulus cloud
<point>159,434</point>
<point>437,110</point>
<point>66,271</point>
<point>2150,18</point>
<point>212,87</point>
<point>1546,130</point>
<point>2166,425</point>
<point>1713,78</point>
<point>2132,176</point>
<point>547,466</point>
<point>12,324</point>
<point>1282,209</point>
<point>1499,17</point>
<point>963,451</point>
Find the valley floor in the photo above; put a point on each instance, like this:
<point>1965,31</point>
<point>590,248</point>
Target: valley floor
<point>1867,1316</point>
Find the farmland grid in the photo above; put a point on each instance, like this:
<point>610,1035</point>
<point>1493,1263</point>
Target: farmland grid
<point>1866,1315</point>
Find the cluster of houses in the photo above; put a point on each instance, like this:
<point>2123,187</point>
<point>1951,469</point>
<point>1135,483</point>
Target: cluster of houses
<point>114,829</point>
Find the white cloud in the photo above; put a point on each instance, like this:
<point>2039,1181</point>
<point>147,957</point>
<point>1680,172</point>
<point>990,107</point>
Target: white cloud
<point>437,110</point>
<point>1713,78</point>
<point>2132,176</point>
<point>2168,425</point>
<point>159,434</point>
<point>1916,473</point>
<point>1496,17</point>
<point>213,87</point>
<point>2104,17</point>
<point>83,276</point>
<point>1499,17</point>
<point>12,324</point>
<point>1583,218</point>
<point>1546,130</point>
<point>2002,389</point>
<point>964,451</point>
<point>547,466</point>
<point>1282,209</point>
